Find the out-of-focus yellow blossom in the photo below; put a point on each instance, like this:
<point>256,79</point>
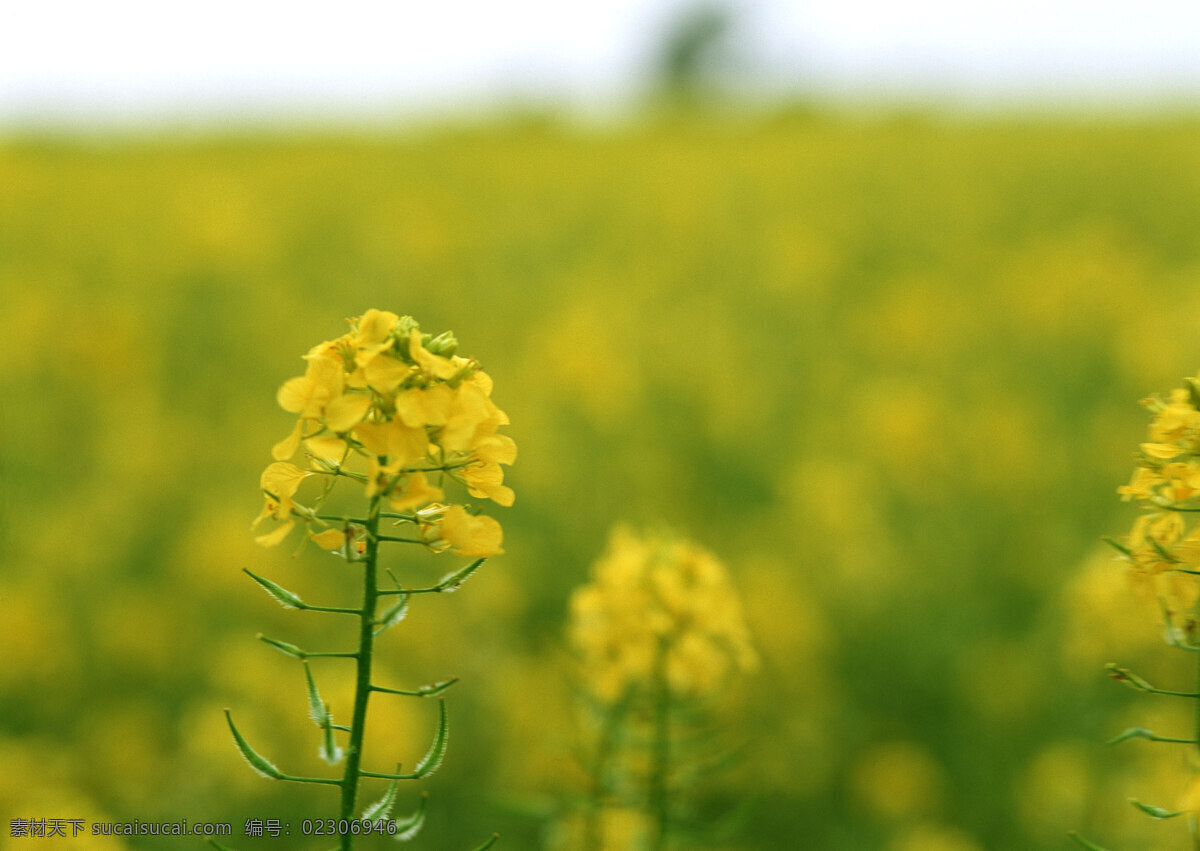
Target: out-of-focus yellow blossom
<point>1163,547</point>
<point>400,412</point>
<point>652,595</point>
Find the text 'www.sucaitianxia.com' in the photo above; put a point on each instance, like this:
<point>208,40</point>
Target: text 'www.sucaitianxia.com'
<point>45,828</point>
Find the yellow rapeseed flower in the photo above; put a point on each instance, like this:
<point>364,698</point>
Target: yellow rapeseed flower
<point>399,411</point>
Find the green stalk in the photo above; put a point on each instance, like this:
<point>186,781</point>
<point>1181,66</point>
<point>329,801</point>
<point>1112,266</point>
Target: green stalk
<point>613,717</point>
<point>362,687</point>
<point>662,748</point>
<point>1195,830</point>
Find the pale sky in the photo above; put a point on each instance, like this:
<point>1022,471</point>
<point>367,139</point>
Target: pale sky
<point>70,60</point>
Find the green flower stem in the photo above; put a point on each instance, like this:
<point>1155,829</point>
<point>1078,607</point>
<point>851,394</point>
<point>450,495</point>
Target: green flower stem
<point>1198,702</point>
<point>662,748</point>
<point>362,688</point>
<point>614,716</point>
<point>1192,826</point>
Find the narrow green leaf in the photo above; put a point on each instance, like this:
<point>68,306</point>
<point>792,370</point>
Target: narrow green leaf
<point>437,751</point>
<point>218,845</point>
<point>383,807</point>
<point>394,615</point>
<point>495,836</point>
<point>1132,733</point>
<point>262,766</point>
<point>285,597</point>
<point>283,647</point>
<point>1091,846</point>
<point>409,826</point>
<point>1155,812</point>
<point>1143,733</point>
<point>317,710</point>
<point>451,581</point>
<point>430,690</point>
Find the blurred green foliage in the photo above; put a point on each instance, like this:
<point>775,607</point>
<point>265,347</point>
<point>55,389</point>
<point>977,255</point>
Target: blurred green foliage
<point>886,369</point>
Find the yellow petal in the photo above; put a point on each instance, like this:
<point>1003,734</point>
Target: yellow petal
<point>405,445</point>
<point>373,437</point>
<point>385,373</point>
<point>293,395</point>
<point>502,495</point>
<point>419,407</point>
<point>469,535</point>
<point>435,365</point>
<point>416,491</point>
<point>346,411</point>
<point>496,448</point>
<point>327,377</point>
<point>327,446</point>
<point>487,480</point>
<point>282,478</point>
<point>330,539</point>
<point>274,537</point>
<point>374,326</point>
<point>287,447</point>
<point>469,411</point>
<point>1164,451</point>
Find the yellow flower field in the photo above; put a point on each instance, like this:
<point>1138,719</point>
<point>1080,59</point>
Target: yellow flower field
<point>885,371</point>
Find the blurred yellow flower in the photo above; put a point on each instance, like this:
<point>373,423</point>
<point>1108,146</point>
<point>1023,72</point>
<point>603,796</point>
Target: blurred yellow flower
<point>652,595</point>
<point>1163,547</point>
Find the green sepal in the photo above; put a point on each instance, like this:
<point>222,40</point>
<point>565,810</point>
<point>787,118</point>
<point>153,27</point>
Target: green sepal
<point>1127,677</point>
<point>283,647</point>
<point>444,344</point>
<point>1155,812</point>
<point>393,615</point>
<point>409,826</point>
<point>437,750</point>
<point>258,763</point>
<point>495,836</point>
<point>283,596</point>
<point>383,807</point>
<point>330,752</point>
<point>452,581</point>
<point>317,710</point>
<point>1091,846</point>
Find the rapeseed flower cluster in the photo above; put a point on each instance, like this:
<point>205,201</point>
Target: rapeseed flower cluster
<point>1163,547</point>
<point>658,595</point>
<point>399,412</point>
